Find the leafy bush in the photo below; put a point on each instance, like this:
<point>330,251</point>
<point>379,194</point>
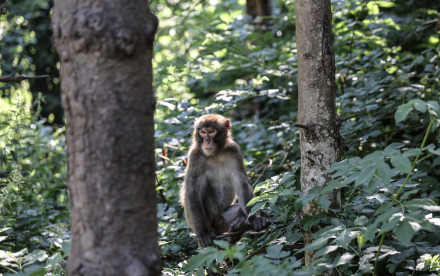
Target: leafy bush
<point>387,74</point>
<point>33,198</point>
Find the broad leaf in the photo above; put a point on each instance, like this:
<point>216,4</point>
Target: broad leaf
<point>257,207</point>
<point>402,112</point>
<point>345,259</point>
<point>405,232</point>
<point>384,172</point>
<point>326,250</point>
<point>419,203</point>
<point>195,262</point>
<point>345,238</point>
<point>365,176</point>
<point>401,162</point>
<point>419,105</point>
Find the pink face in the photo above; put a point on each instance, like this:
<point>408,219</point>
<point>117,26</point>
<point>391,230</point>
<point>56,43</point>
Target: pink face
<point>208,145</point>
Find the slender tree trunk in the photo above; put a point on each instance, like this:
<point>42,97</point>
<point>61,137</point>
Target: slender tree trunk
<point>259,10</point>
<point>256,8</point>
<point>105,48</point>
<point>321,144</point>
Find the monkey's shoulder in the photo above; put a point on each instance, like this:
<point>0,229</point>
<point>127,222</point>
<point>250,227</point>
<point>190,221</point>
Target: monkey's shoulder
<point>232,148</point>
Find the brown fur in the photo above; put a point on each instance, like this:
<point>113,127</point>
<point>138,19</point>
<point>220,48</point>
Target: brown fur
<point>214,183</point>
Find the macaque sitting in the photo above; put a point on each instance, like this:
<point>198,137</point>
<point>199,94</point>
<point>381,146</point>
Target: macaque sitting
<point>215,178</point>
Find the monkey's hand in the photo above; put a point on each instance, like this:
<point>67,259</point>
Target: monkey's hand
<point>205,239</point>
<point>259,223</point>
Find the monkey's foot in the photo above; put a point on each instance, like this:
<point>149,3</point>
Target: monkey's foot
<point>239,224</point>
<point>205,239</point>
<point>259,223</point>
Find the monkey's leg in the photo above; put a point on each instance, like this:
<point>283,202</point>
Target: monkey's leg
<point>232,220</point>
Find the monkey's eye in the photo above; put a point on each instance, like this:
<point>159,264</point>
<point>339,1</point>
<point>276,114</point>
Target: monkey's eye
<point>202,132</point>
<point>212,131</point>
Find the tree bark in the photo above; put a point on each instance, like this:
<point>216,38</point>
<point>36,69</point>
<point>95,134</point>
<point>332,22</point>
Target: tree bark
<point>259,10</point>
<point>105,48</point>
<point>256,8</point>
<point>321,144</point>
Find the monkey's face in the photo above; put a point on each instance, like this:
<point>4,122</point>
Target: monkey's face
<point>209,146</point>
<point>211,133</point>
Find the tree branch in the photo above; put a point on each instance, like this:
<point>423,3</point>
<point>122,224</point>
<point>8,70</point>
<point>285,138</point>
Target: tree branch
<point>11,78</point>
<point>348,117</point>
<point>2,8</point>
<point>302,126</point>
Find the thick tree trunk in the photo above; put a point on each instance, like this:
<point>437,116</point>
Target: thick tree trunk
<point>321,144</point>
<point>105,48</point>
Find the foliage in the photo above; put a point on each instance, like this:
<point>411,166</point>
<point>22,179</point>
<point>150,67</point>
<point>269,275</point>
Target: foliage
<point>33,198</point>
<point>26,49</point>
<point>210,58</point>
<point>387,74</point>
<point>389,203</point>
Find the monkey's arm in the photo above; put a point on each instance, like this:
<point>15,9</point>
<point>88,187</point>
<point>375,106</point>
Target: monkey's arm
<point>245,194</point>
<point>196,214</point>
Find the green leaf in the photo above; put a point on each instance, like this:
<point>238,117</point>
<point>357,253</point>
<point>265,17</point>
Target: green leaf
<point>316,244</point>
<point>340,166</point>
<point>360,221</point>
<point>65,247</point>
<point>35,256</point>
<point>257,207</point>
<point>384,172</point>
<point>370,160</point>
<point>364,176</point>
<point>390,149</point>
<point>388,212</point>
<point>402,112</point>
<point>405,232</point>
<point>274,251</point>
<point>401,162</point>
<point>325,203</point>
<point>391,224</point>
<point>422,203</point>
<point>325,250</point>
<point>33,270</point>
<point>361,240</point>
<point>419,105</point>
<point>344,259</point>
<point>259,198</point>
<point>345,237</point>
<point>54,260</point>
<point>333,184</point>
<point>195,262</point>
<point>222,244</point>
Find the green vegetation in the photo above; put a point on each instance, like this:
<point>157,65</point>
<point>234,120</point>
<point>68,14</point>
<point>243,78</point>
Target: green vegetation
<point>208,58</point>
<point>34,218</point>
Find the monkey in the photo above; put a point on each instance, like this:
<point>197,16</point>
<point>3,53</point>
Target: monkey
<point>215,178</point>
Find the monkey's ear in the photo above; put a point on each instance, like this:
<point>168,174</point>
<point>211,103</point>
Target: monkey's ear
<point>228,124</point>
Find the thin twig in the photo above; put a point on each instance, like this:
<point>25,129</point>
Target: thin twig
<point>11,78</point>
<point>2,5</point>
<point>261,174</point>
<point>430,22</point>
<point>302,126</point>
<point>348,117</point>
